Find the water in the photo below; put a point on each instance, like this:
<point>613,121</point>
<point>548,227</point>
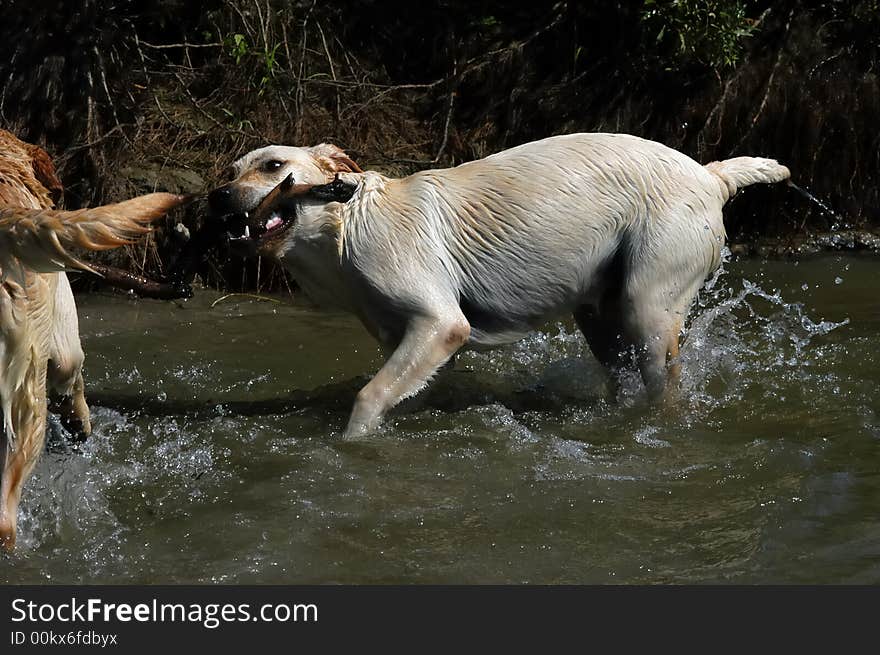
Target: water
<point>823,206</point>
<point>216,454</point>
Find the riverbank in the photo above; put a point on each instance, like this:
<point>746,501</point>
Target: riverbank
<point>844,241</point>
<point>166,97</point>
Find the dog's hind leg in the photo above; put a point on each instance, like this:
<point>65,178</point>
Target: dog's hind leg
<point>428,343</point>
<point>653,323</point>
<point>70,404</point>
<point>657,355</point>
<point>66,359</point>
<point>673,360</point>
<point>666,265</point>
<point>605,335</point>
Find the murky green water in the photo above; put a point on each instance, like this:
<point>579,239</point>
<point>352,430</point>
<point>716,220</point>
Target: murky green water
<point>216,454</point>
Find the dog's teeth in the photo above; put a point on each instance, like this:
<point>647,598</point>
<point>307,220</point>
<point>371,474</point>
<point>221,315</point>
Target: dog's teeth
<point>247,215</point>
<point>247,231</point>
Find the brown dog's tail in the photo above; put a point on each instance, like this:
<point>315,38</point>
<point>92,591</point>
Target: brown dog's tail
<point>741,172</point>
<point>39,239</point>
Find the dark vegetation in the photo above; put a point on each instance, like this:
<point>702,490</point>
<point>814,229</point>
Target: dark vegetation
<point>135,95</point>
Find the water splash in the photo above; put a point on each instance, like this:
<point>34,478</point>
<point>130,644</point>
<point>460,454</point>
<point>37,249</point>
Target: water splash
<point>737,335</point>
<point>742,337</point>
<point>520,436</point>
<point>823,206</point>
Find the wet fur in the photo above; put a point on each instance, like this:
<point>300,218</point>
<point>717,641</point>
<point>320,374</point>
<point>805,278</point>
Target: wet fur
<point>39,333</point>
<point>619,231</point>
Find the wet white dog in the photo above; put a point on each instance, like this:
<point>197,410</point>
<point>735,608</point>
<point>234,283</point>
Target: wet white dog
<point>617,230</point>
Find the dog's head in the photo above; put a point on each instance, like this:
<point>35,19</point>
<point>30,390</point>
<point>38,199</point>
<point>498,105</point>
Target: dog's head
<point>27,174</point>
<point>256,174</point>
<point>44,171</point>
<point>290,204</point>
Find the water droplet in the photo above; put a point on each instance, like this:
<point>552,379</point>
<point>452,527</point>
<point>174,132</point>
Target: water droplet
<point>805,286</point>
<point>838,280</point>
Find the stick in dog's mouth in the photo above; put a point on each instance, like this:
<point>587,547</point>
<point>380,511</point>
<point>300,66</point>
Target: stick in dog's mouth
<point>278,211</point>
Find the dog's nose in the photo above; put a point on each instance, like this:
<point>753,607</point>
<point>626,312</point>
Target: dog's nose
<point>219,199</point>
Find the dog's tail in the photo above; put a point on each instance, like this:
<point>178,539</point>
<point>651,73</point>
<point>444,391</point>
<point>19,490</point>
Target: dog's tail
<point>39,239</point>
<point>740,172</point>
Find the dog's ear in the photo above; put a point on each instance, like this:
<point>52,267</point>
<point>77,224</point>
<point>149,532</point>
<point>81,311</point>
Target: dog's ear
<point>334,159</point>
<point>44,171</point>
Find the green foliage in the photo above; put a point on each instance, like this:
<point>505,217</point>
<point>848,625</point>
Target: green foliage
<point>236,122</point>
<point>708,31</point>
<point>269,61</point>
<point>237,46</point>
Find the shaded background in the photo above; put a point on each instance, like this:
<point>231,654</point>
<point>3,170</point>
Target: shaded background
<point>135,96</point>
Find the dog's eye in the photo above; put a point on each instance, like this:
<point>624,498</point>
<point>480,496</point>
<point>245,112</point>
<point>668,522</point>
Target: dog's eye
<point>272,165</point>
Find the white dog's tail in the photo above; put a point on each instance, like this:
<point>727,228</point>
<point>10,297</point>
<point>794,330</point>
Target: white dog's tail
<point>740,172</point>
<point>38,239</point>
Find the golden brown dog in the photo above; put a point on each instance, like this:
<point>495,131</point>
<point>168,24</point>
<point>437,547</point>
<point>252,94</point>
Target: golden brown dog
<point>39,334</point>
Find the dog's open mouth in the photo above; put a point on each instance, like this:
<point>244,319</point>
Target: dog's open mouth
<point>250,232</point>
<point>263,230</point>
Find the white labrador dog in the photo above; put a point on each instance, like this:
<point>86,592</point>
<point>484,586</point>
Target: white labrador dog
<point>620,231</point>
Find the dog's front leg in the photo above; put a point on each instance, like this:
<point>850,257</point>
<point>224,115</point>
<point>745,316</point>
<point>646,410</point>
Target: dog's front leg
<point>428,343</point>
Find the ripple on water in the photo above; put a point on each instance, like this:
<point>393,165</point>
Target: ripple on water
<point>516,466</point>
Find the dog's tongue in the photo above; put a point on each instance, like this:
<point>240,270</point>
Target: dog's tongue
<point>273,222</point>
